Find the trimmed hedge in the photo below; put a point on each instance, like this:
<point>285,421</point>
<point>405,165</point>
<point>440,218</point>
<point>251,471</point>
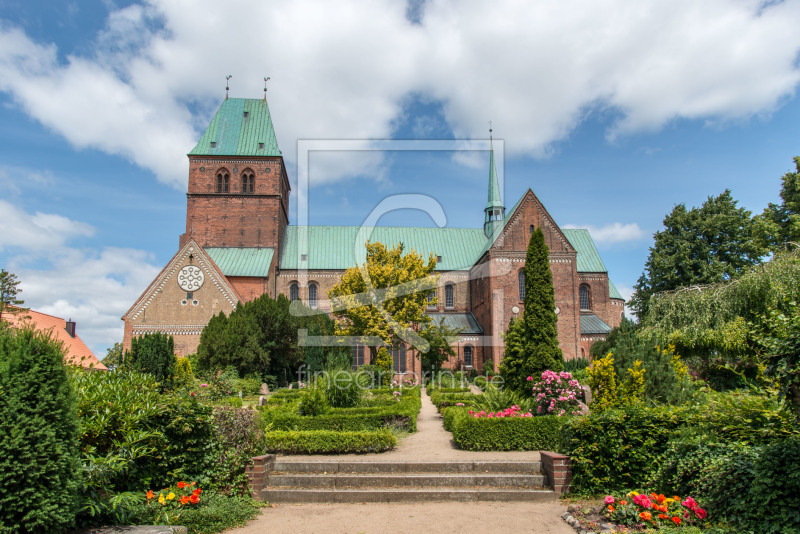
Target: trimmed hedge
<point>503,434</point>
<point>442,400</point>
<point>329,442</point>
<point>618,449</point>
<point>431,388</point>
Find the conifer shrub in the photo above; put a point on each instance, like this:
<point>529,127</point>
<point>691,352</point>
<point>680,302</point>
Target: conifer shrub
<point>39,459</point>
<point>153,354</point>
<point>383,361</point>
<point>184,378</point>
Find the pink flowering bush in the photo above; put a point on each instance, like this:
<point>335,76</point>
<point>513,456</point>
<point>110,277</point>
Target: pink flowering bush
<point>556,394</point>
<point>514,411</point>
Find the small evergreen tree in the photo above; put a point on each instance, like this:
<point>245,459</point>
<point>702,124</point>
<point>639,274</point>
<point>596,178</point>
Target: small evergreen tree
<point>9,303</point>
<point>440,350</point>
<point>153,354</point>
<point>39,450</point>
<point>532,343</point>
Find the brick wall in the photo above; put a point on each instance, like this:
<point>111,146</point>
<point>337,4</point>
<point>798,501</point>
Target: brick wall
<point>557,470</point>
<point>257,472</point>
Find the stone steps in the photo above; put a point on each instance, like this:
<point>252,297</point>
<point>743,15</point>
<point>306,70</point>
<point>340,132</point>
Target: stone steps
<point>353,482</point>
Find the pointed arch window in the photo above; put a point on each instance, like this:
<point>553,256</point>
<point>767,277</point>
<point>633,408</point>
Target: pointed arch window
<point>449,296</point>
<point>223,182</point>
<point>468,355</point>
<point>521,284</point>
<point>294,292</point>
<point>312,295</point>
<point>248,182</point>
<point>583,294</point>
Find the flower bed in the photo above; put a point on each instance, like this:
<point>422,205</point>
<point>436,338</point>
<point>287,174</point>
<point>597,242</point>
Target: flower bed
<point>652,511</point>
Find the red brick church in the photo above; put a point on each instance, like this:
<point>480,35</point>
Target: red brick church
<point>239,245</point>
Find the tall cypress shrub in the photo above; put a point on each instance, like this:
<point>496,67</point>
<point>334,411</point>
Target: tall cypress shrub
<point>39,450</point>
<point>532,343</point>
<point>154,354</point>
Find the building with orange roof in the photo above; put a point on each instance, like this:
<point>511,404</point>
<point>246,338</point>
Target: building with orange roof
<point>75,350</point>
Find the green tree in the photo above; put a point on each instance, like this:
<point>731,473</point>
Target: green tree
<point>9,303</point>
<point>532,342</point>
<point>779,225</point>
<point>704,245</point>
<point>114,356</point>
<point>386,297</point>
<point>39,430</point>
<point>440,349</point>
<point>154,354</point>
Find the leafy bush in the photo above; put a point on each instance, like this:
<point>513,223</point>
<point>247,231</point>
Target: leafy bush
<point>776,488</point>
<point>607,391</point>
<point>39,467</point>
<point>153,354</point>
<point>556,394</point>
<point>239,439</point>
<point>184,378</point>
<point>342,389</point>
<point>576,364</point>
<point>494,399</point>
<point>442,400</point>
<point>504,434</point>
<point>383,361</point>
<point>214,513</point>
<point>618,448</point>
<point>249,385</point>
<point>328,442</point>
<point>313,401</point>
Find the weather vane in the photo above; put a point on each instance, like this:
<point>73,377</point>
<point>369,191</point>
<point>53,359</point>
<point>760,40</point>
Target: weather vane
<point>228,77</point>
<point>490,133</point>
<point>265,88</point>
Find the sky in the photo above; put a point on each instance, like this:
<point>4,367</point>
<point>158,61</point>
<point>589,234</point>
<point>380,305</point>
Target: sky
<point>611,111</point>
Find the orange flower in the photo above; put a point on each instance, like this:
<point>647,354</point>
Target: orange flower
<point>184,500</point>
<point>182,485</point>
<point>194,499</point>
<point>610,508</point>
<point>197,491</point>
<point>150,495</point>
<point>663,516</point>
<point>646,516</point>
<point>675,497</point>
<point>623,503</point>
<point>676,520</point>
<point>661,499</point>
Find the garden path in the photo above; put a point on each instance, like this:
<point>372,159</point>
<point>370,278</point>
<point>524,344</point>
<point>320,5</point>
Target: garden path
<point>431,442</point>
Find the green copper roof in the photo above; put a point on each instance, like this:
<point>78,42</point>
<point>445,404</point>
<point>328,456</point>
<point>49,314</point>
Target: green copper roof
<point>241,127</point>
<point>592,324</point>
<point>612,291</point>
<point>333,247</point>
<point>588,258</point>
<point>494,187</point>
<point>463,323</point>
<point>242,261</point>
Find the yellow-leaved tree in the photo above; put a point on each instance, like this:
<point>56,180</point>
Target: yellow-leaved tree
<point>385,298</point>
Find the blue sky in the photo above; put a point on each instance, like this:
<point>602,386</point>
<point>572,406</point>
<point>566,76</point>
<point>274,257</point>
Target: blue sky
<point>611,112</point>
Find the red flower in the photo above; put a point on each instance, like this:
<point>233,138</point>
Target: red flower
<point>676,520</point>
<point>194,498</point>
<point>663,516</point>
<point>184,500</point>
<point>197,491</point>
<point>182,485</point>
<point>700,513</point>
<point>150,495</point>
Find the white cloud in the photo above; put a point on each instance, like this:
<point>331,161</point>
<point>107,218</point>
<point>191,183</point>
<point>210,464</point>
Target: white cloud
<point>93,287</point>
<point>343,70</point>
<point>612,233</point>
<point>36,232</point>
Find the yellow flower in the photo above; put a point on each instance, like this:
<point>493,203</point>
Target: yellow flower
<point>161,498</point>
<point>633,494</point>
<point>170,496</point>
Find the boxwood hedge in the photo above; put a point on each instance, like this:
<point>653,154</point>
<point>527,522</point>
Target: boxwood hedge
<point>329,442</point>
<point>503,434</point>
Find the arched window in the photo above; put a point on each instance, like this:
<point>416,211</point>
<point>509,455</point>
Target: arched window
<point>248,182</point>
<point>583,294</point>
<point>431,301</point>
<point>521,284</point>
<point>468,355</point>
<point>294,292</point>
<point>530,230</point>
<point>223,182</point>
<point>312,295</point>
<point>358,356</point>
<point>449,297</point>
<point>399,359</point>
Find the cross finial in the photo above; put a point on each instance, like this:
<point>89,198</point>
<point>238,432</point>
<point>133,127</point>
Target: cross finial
<point>490,133</point>
<point>265,88</point>
<point>228,77</point>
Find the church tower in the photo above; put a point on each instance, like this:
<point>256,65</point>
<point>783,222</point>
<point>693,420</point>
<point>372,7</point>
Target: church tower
<point>495,211</point>
<point>238,193</point>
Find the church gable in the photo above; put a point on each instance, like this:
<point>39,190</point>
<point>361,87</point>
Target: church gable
<point>528,214</point>
<point>188,291</point>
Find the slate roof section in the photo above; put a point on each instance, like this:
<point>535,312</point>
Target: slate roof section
<point>333,247</point>
<point>241,127</point>
<point>463,323</point>
<point>235,261</point>
<point>592,324</point>
<point>76,351</point>
<point>588,258</point>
